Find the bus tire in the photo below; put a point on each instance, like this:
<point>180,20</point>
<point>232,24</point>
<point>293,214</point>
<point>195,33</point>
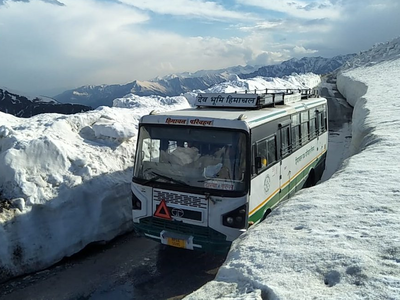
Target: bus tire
<point>310,179</point>
<point>267,212</point>
<point>320,172</point>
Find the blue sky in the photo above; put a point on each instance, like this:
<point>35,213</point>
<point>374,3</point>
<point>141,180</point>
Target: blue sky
<point>48,46</point>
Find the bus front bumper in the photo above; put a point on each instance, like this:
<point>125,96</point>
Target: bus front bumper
<point>177,234</point>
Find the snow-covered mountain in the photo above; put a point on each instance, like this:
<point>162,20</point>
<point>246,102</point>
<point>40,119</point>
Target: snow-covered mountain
<point>176,84</point>
<point>316,65</point>
<point>21,106</point>
<point>173,85</point>
<point>380,52</point>
<point>201,73</point>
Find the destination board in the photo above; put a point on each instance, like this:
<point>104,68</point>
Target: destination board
<point>227,100</point>
<point>245,100</point>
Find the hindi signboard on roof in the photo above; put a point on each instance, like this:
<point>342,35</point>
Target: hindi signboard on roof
<point>227,100</point>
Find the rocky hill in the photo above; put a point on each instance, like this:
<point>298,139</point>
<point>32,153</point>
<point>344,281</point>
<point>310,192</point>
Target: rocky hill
<point>22,107</point>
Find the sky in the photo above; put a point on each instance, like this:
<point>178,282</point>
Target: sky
<point>49,46</point>
<point>68,180</point>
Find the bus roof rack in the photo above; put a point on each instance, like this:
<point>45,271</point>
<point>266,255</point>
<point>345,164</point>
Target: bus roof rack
<point>253,100</point>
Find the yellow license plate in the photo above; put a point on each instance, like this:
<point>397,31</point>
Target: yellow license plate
<point>176,243</point>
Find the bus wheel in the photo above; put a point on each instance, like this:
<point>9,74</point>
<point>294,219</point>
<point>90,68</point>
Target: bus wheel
<point>310,179</point>
<point>267,212</point>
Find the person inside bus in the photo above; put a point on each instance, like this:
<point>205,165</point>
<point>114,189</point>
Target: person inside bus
<point>182,154</point>
<point>263,162</point>
<point>210,160</point>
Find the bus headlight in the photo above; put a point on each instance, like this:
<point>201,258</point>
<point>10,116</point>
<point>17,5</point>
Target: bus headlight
<point>235,218</point>
<point>136,203</point>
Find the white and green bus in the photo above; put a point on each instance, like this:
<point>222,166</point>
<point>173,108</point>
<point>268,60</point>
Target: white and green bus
<point>204,175</point>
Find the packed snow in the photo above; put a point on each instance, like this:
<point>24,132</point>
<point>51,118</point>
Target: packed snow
<point>67,181</point>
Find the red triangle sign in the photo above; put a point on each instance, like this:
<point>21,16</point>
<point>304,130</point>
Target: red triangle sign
<point>162,211</point>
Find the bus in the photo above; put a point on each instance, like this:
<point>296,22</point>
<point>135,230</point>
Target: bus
<point>203,175</point>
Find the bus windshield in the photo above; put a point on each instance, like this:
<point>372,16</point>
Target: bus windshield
<point>196,157</point>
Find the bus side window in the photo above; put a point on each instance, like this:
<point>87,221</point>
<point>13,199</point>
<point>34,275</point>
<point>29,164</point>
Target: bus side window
<point>296,139</point>
<point>271,150</point>
<point>305,134</point>
<point>321,124</point>
<point>266,153</point>
<point>262,154</point>
<point>313,124</point>
<point>313,128</point>
<point>321,120</point>
<point>285,141</point>
<point>324,120</point>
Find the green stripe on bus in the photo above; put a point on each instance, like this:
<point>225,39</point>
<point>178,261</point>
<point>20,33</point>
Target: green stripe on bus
<point>284,193</point>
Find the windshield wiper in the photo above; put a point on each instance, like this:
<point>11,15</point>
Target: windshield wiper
<point>157,176</point>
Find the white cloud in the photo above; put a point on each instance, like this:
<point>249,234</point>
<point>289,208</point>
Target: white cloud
<point>268,58</point>
<point>92,42</point>
<point>360,24</point>
<point>299,9</point>
<point>189,8</point>
<point>302,50</point>
<point>370,23</point>
<point>290,26</point>
<point>61,42</point>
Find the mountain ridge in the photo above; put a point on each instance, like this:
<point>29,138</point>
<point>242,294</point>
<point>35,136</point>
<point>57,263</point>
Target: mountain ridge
<point>92,96</point>
<point>21,106</point>
<point>177,84</point>
<point>317,65</point>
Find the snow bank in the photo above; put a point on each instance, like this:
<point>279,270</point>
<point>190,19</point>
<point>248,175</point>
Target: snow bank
<point>61,172</point>
<point>144,105</point>
<point>68,181</point>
